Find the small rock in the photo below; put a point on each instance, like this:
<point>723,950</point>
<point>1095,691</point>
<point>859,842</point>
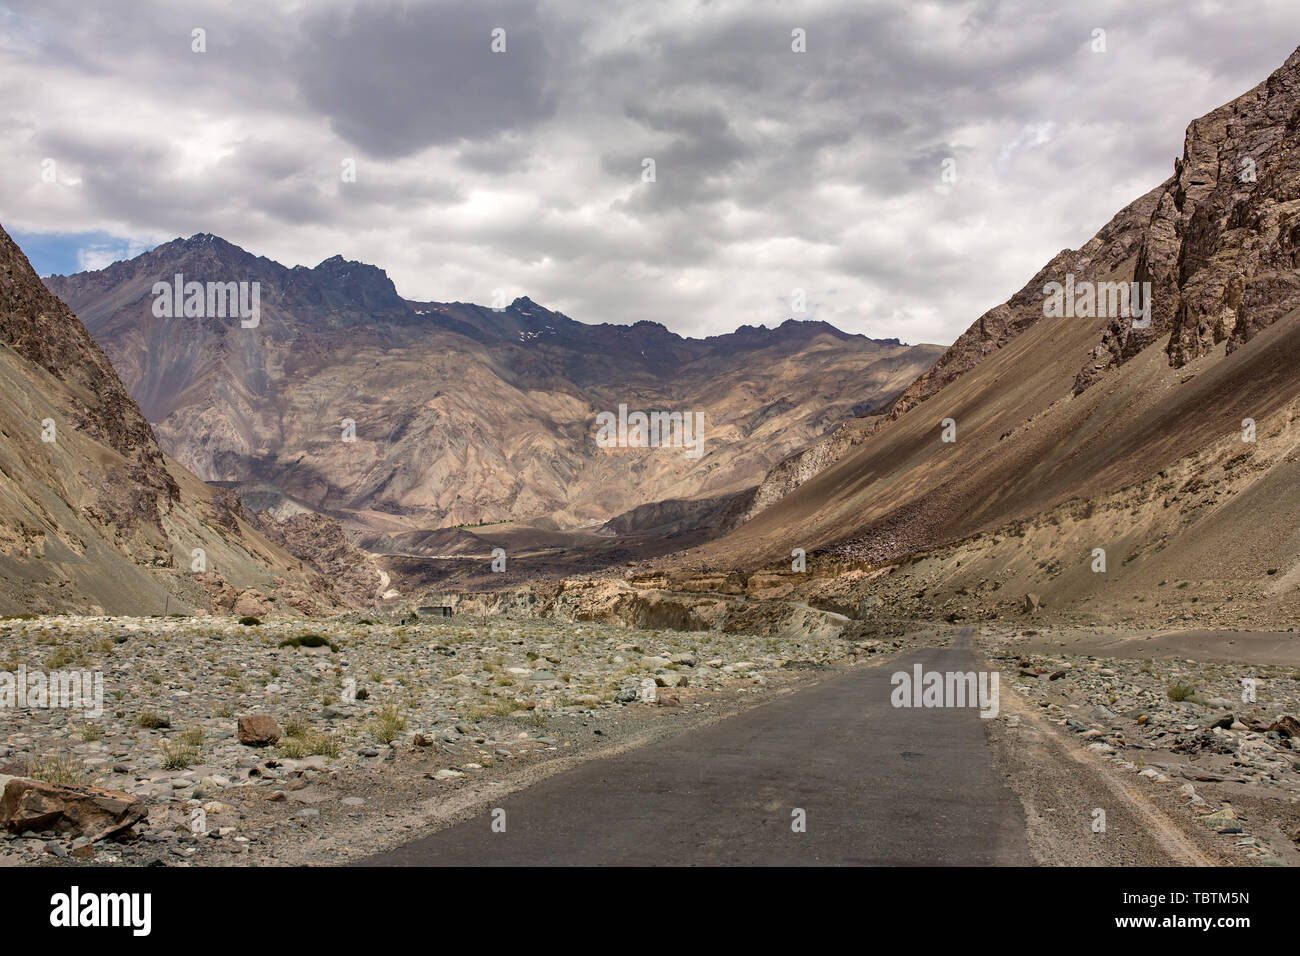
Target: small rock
<point>1287,726</point>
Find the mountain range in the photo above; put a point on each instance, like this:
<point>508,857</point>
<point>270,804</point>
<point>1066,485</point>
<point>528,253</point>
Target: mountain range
<point>460,413</point>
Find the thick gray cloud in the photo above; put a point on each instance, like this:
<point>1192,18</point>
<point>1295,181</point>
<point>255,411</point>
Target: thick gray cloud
<point>394,78</point>
<point>522,170</point>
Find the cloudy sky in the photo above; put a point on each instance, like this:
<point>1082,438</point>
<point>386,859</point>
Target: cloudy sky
<point>523,170</point>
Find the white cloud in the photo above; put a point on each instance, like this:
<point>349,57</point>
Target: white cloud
<point>92,257</point>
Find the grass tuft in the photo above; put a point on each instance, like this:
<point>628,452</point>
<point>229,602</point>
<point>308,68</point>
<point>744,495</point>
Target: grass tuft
<point>387,724</point>
<point>177,755</point>
<point>58,769</point>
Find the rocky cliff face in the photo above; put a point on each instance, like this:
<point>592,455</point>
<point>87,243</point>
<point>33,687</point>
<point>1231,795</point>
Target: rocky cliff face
<point>1220,247</point>
<point>1224,241</point>
<point>93,515</point>
<point>41,329</point>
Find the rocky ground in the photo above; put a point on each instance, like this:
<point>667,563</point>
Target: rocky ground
<point>242,744</point>
<point>445,711</point>
<point>1176,727</point>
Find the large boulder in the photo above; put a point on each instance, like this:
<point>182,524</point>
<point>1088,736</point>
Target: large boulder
<point>258,730</point>
<point>252,603</point>
<point>76,811</point>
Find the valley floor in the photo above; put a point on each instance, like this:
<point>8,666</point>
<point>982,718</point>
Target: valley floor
<point>459,716</point>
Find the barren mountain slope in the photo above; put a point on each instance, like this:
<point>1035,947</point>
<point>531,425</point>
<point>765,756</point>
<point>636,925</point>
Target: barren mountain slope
<point>462,413</point>
<point>93,516</point>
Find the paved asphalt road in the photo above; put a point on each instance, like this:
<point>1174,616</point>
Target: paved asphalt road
<point>880,785</point>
